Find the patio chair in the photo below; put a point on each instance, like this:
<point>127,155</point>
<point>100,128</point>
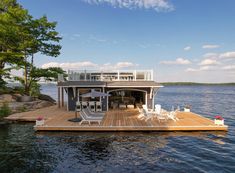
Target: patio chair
<point>162,117</point>
<point>84,105</point>
<point>98,107</point>
<point>146,108</point>
<point>172,115</point>
<point>92,106</point>
<point>158,109</point>
<point>141,115</point>
<point>85,118</point>
<point>148,115</point>
<point>78,106</point>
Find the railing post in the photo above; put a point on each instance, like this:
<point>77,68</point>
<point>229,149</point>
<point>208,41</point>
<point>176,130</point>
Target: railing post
<point>152,75</point>
<point>135,75</point>
<point>118,75</point>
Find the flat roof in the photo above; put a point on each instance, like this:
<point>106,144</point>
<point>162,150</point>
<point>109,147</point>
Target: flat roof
<point>110,84</point>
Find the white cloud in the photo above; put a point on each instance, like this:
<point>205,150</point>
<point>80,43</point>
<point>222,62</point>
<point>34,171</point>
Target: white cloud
<point>203,68</point>
<point>119,65</point>
<point>67,65</point>
<point>210,46</point>
<point>206,68</point>
<point>187,48</point>
<point>209,62</point>
<point>178,61</point>
<point>158,5</point>
<point>190,70</point>
<point>90,65</point>
<point>210,55</point>
<point>125,64</point>
<point>95,38</point>
<point>227,55</point>
<point>229,67</point>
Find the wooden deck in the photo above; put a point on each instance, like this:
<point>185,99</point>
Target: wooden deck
<point>119,120</point>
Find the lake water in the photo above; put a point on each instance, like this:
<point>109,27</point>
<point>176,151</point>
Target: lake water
<point>23,150</point>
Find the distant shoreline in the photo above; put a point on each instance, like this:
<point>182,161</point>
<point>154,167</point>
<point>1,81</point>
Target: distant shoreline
<point>195,83</point>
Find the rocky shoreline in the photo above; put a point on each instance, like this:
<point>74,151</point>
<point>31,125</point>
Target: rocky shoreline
<point>14,103</point>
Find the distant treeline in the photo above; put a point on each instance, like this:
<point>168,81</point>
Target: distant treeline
<point>194,83</point>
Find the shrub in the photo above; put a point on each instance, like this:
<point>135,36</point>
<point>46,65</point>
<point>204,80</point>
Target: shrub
<point>23,109</point>
<point>5,110</point>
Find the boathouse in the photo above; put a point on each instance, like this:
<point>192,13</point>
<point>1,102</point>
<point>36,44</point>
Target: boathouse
<point>124,89</point>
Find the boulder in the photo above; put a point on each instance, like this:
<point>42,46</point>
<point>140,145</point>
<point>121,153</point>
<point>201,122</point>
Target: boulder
<point>46,98</point>
<point>25,98</point>
<point>6,98</point>
<point>43,104</point>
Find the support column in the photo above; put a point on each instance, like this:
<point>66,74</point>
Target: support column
<point>58,97</point>
<point>62,93</point>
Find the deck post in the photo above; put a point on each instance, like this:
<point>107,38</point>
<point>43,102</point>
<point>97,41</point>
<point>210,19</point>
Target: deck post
<point>62,97</point>
<point>58,97</point>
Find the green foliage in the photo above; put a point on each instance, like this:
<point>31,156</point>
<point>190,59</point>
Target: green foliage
<point>34,89</point>
<point>12,20</point>
<point>49,74</point>
<point>22,36</point>
<point>5,110</point>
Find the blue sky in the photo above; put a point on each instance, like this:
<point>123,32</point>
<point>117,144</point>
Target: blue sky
<point>181,40</point>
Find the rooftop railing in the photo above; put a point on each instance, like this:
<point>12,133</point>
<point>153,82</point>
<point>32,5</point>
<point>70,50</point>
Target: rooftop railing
<point>118,75</point>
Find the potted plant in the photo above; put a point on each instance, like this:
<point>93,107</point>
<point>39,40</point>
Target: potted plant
<point>219,120</point>
<point>39,121</point>
<point>187,108</point>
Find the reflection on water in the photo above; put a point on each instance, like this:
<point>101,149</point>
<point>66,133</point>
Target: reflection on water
<point>23,150</point>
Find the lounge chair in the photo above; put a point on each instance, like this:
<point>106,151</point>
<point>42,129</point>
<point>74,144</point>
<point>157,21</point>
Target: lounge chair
<point>93,114</point>
<point>85,118</point>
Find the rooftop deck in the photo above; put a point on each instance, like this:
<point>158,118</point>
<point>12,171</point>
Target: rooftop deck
<point>109,75</point>
<point>118,120</point>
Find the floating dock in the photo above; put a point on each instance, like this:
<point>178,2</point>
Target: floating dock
<point>56,119</point>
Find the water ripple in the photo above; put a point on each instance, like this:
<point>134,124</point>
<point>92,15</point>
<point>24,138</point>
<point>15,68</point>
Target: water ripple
<point>22,150</point>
